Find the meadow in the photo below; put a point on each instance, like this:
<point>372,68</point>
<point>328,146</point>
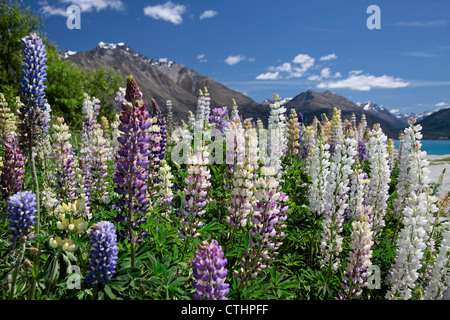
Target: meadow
<point>219,207</point>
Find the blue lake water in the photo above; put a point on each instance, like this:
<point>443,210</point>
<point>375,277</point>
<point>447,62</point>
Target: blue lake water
<point>433,147</point>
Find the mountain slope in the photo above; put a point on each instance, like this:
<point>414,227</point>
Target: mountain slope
<point>437,125</point>
<point>160,79</point>
<point>311,103</point>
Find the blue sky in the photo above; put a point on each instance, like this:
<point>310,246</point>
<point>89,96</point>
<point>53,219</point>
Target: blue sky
<point>286,47</point>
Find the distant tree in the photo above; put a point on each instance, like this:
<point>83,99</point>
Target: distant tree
<point>15,23</point>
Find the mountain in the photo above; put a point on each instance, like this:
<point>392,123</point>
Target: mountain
<point>436,126</point>
<point>162,80</point>
<point>311,103</point>
<point>168,80</point>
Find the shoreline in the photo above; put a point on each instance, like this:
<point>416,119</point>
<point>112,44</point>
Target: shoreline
<point>436,167</point>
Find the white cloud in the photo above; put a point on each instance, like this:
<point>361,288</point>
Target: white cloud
<point>231,60</point>
<point>85,6</point>
<point>337,75</point>
<point>440,104</point>
<point>268,76</point>
<point>168,12</point>
<point>208,14</point>
<point>202,58</point>
<point>420,54</point>
<point>285,67</point>
<point>328,57</point>
<point>364,82</point>
<point>305,62</point>
<point>324,74</point>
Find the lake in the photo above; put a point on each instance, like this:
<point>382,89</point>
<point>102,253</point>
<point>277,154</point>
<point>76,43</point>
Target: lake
<point>433,147</point>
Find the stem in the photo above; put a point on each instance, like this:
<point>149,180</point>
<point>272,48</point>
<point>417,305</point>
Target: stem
<point>16,270</point>
<point>38,216</point>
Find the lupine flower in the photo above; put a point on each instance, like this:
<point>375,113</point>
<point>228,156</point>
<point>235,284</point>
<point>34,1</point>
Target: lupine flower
<point>336,129</point>
<point>308,140</point>
<point>414,174</point>
<point>132,157</point>
<point>21,215</point>
<point>336,200</point>
<point>103,254</point>
<point>390,148</point>
<point>267,224</point>
<point>234,112</point>
<point>210,272</point>
<point>278,141</point>
<point>440,277</point>
<point>293,133</point>
<point>378,192</point>
<point>32,90</point>
<point>362,150</point>
<point>359,182</point>
<point>202,112</point>
<point>412,241</point>
<point>169,118</point>
<point>319,165</point>
<point>218,119</point>
<point>196,191</point>
<point>356,272</point>
<point>12,170</point>
<point>98,167</point>
<point>5,119</point>
<point>64,160</point>
<point>165,185</point>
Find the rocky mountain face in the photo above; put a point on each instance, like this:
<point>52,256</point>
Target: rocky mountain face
<point>160,79</point>
<point>168,80</point>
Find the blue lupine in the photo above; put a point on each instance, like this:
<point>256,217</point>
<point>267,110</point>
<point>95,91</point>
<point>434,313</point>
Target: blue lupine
<point>103,254</point>
<point>21,215</point>
<point>218,119</point>
<point>209,272</point>
<point>32,89</point>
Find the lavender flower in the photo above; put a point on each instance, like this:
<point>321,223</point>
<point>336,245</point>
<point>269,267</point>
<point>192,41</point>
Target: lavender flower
<point>103,254</point>
<point>209,272</point>
<point>21,209</point>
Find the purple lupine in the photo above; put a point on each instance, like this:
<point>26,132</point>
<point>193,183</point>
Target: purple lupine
<point>210,272</point>
<point>356,272</point>
<point>196,191</point>
<point>268,224</point>
<point>103,254</point>
<point>21,215</point>
<point>132,158</point>
<point>12,170</point>
<point>362,150</point>
<point>32,91</point>
<point>218,119</point>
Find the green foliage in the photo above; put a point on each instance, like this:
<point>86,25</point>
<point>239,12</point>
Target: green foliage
<point>16,22</point>
<point>66,83</point>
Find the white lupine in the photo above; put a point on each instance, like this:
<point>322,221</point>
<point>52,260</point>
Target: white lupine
<point>408,179</point>
<point>165,185</point>
<point>378,191</point>
<point>440,276</point>
<point>319,164</point>
<point>336,200</point>
<point>277,135</point>
<point>411,243</point>
<point>358,188</point>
